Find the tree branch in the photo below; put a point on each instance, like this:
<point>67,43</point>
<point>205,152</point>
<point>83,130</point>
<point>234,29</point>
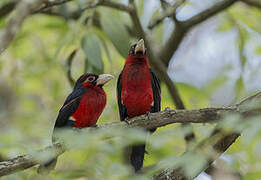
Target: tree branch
<point>220,146</point>
<point>7,8</point>
<point>159,66</point>
<point>164,4</point>
<point>168,12</point>
<point>254,3</point>
<point>131,9</point>
<point>24,8</point>
<point>115,5</point>
<point>48,4</point>
<point>183,27</point>
<point>69,67</point>
<point>150,121</point>
<point>204,15</point>
<point>156,64</point>
<point>110,4</point>
<point>26,161</point>
<point>220,142</point>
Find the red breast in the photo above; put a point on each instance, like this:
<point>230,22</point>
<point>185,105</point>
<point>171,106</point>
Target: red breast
<point>90,108</point>
<point>137,93</point>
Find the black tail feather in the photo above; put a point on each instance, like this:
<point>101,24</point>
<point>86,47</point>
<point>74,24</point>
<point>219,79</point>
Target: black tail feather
<point>47,167</point>
<point>137,156</point>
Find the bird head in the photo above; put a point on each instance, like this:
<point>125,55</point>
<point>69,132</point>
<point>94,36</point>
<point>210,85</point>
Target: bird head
<point>138,49</point>
<point>138,54</point>
<point>91,80</point>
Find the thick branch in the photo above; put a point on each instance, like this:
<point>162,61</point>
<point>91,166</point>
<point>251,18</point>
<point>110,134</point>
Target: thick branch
<point>183,27</point>
<point>220,146</point>
<point>221,142</point>
<point>150,121</point>
<point>26,161</point>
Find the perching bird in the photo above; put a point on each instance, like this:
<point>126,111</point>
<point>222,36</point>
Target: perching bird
<point>138,92</point>
<point>82,108</point>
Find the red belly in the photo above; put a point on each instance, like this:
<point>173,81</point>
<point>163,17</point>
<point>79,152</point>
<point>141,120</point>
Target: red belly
<point>137,93</point>
<point>138,104</point>
<point>89,109</point>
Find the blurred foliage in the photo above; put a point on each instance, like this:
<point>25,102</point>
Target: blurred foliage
<point>34,85</point>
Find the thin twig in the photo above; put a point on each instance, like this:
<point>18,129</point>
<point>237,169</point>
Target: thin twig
<point>9,7</point>
<point>69,68</point>
<point>168,12</point>
<point>164,4</point>
<point>48,4</point>
<point>109,4</point>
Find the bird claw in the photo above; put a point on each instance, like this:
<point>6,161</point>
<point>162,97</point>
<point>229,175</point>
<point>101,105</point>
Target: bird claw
<point>148,115</point>
<point>127,120</point>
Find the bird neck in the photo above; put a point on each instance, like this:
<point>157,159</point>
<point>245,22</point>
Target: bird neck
<point>135,59</point>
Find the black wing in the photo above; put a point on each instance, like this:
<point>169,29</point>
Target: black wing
<point>122,108</point>
<point>69,107</point>
<point>156,92</point>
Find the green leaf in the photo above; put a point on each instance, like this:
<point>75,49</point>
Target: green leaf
<point>117,33</point>
<point>89,68</point>
<point>92,51</point>
<point>107,52</point>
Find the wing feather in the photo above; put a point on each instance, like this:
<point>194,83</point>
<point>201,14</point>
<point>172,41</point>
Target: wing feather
<point>156,92</point>
<point>122,108</point>
<point>69,107</point>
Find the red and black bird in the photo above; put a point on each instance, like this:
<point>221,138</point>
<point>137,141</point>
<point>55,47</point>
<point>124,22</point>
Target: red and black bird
<point>138,92</point>
<point>82,108</point>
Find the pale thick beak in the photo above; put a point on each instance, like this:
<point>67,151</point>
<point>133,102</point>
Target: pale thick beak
<point>140,47</point>
<point>104,78</point>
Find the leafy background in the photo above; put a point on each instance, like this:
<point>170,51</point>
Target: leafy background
<point>217,64</point>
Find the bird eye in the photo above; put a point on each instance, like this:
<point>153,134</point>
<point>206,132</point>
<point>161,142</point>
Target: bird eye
<point>132,49</point>
<point>90,78</point>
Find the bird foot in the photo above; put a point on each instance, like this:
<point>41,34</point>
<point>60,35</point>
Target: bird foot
<point>127,120</point>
